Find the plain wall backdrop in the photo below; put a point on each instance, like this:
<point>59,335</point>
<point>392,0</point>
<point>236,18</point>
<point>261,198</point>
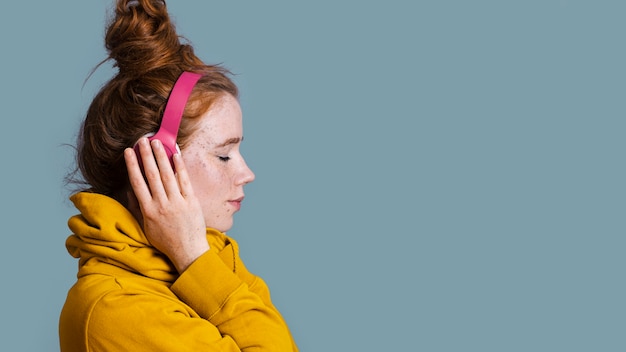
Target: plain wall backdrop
<point>431,175</point>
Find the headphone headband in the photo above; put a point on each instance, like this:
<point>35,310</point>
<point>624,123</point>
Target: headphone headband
<point>173,114</point>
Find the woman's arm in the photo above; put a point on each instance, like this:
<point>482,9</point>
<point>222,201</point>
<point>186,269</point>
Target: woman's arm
<point>174,224</point>
<point>218,295</point>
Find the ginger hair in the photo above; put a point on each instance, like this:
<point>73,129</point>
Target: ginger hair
<point>149,55</point>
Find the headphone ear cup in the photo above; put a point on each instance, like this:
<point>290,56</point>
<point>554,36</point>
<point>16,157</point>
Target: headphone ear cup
<point>168,150</point>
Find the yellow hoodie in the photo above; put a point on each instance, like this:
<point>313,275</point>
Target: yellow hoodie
<point>129,297</point>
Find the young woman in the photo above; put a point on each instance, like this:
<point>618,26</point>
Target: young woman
<point>156,270</point>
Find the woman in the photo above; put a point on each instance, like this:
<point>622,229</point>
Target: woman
<point>156,270</point>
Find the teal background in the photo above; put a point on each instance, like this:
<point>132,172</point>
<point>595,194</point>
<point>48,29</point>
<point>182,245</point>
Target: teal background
<point>431,175</point>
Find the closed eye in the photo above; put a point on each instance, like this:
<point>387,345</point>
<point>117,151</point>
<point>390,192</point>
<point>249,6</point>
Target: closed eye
<point>224,158</point>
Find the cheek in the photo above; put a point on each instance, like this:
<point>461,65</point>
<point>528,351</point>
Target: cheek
<point>207,179</point>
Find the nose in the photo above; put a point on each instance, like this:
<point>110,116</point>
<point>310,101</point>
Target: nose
<point>245,175</point>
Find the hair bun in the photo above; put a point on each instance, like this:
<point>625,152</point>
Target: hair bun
<point>141,38</point>
<point>132,3</point>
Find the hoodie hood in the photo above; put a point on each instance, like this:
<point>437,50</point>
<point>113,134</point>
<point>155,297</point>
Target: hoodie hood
<point>105,232</point>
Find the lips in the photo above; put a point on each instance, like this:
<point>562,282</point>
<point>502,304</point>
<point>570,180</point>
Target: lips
<point>236,203</point>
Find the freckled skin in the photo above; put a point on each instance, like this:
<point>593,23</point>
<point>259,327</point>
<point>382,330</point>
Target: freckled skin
<point>175,210</point>
<point>217,182</point>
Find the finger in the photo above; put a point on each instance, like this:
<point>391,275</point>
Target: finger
<point>135,176</point>
<point>182,176</point>
<point>168,178</point>
<point>150,169</point>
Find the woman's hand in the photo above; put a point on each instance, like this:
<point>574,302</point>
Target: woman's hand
<point>172,216</point>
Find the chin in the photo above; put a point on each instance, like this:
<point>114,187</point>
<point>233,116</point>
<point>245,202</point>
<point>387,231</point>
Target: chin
<point>222,222</point>
<point>222,227</point>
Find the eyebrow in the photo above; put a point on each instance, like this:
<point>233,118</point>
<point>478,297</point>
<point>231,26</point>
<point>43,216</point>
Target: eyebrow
<point>230,141</point>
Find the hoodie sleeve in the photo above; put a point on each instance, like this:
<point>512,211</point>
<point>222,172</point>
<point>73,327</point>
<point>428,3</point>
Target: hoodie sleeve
<point>224,299</point>
<point>260,288</point>
<point>255,284</point>
<point>130,320</point>
<point>218,312</point>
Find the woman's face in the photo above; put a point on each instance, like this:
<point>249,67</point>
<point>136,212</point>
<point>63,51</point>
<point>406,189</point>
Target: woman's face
<point>216,168</point>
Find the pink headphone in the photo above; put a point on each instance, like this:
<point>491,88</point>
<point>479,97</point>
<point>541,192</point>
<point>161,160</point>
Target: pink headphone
<point>172,115</point>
